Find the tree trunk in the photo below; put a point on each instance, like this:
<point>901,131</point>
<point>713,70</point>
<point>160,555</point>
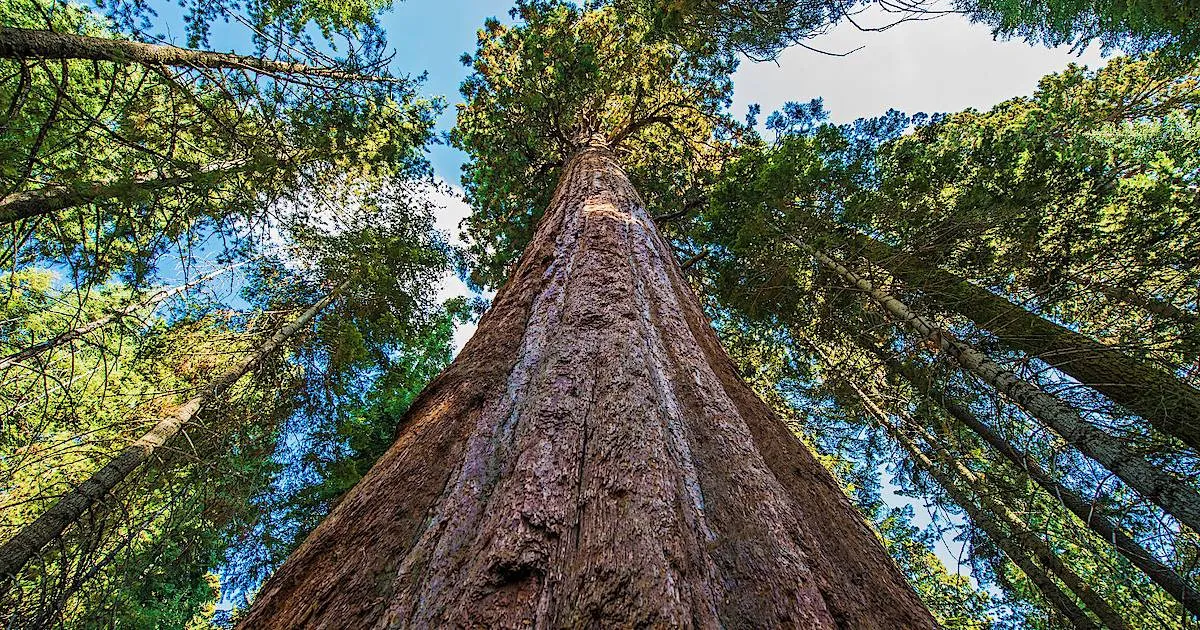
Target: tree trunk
<point>35,203</point>
<point>17,551</point>
<point>1026,537</point>
<point>24,43</point>
<point>1174,495</point>
<point>1014,537</point>
<point>1104,527</point>
<point>68,336</point>
<point>1169,404</point>
<point>592,459</point>
<point>1150,304</point>
<point>1015,549</point>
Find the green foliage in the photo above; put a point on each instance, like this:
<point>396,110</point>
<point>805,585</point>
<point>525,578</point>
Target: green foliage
<point>142,557</point>
<point>332,445</point>
<point>1092,181</point>
<point>319,183</point>
<point>1130,25</point>
<point>561,75</point>
<point>235,151</point>
<point>955,602</point>
<point>1094,175</point>
<point>758,29</point>
<point>277,24</point>
<point>761,29</point>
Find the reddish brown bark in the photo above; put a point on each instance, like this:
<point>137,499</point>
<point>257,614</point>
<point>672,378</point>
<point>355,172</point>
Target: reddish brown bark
<point>592,458</point>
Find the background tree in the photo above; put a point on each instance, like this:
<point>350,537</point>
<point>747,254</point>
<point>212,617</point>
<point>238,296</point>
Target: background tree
<point>111,164</point>
<point>761,29</point>
<point>122,172</point>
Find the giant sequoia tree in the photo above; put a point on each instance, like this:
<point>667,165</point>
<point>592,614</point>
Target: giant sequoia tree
<point>592,456</point>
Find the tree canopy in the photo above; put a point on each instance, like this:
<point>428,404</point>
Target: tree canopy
<point>540,88</point>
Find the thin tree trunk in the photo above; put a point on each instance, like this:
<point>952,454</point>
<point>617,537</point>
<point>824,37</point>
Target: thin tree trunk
<point>1150,304</point>
<point>1172,494</point>
<point>1026,537</point>
<point>67,336</point>
<point>1104,527</point>
<point>30,540</point>
<point>1016,550</point>
<point>1168,403</point>
<point>35,203</point>
<point>1018,534</point>
<point>692,260</point>
<point>24,43</point>
<point>592,459</point>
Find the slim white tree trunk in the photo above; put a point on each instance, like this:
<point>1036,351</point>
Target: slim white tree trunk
<point>153,300</point>
<point>1104,527</point>
<point>30,540</point>
<point>1014,538</point>
<point>1173,495</point>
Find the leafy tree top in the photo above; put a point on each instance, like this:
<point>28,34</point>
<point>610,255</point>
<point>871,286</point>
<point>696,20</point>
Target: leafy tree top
<point>1130,25</point>
<point>275,24</point>
<point>565,75</point>
<point>759,29</point>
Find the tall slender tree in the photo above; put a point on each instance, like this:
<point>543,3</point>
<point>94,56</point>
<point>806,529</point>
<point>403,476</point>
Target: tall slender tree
<point>1089,512</point>
<point>117,151</point>
<point>1168,403</point>
<point>27,542</point>
<point>1012,534</point>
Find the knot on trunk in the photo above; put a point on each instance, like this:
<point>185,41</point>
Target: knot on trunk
<point>519,566</point>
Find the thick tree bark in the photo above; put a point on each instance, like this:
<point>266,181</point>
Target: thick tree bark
<point>18,550</point>
<point>1174,495</point>
<point>35,203</point>
<point>1168,403</point>
<point>24,43</point>
<point>1104,527</point>
<point>1015,534</point>
<point>592,459</point>
<point>67,336</point>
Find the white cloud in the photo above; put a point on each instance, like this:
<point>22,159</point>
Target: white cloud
<point>941,65</point>
<point>450,210</point>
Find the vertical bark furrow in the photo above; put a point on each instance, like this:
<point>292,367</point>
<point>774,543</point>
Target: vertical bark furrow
<point>602,474</point>
<point>828,526</point>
